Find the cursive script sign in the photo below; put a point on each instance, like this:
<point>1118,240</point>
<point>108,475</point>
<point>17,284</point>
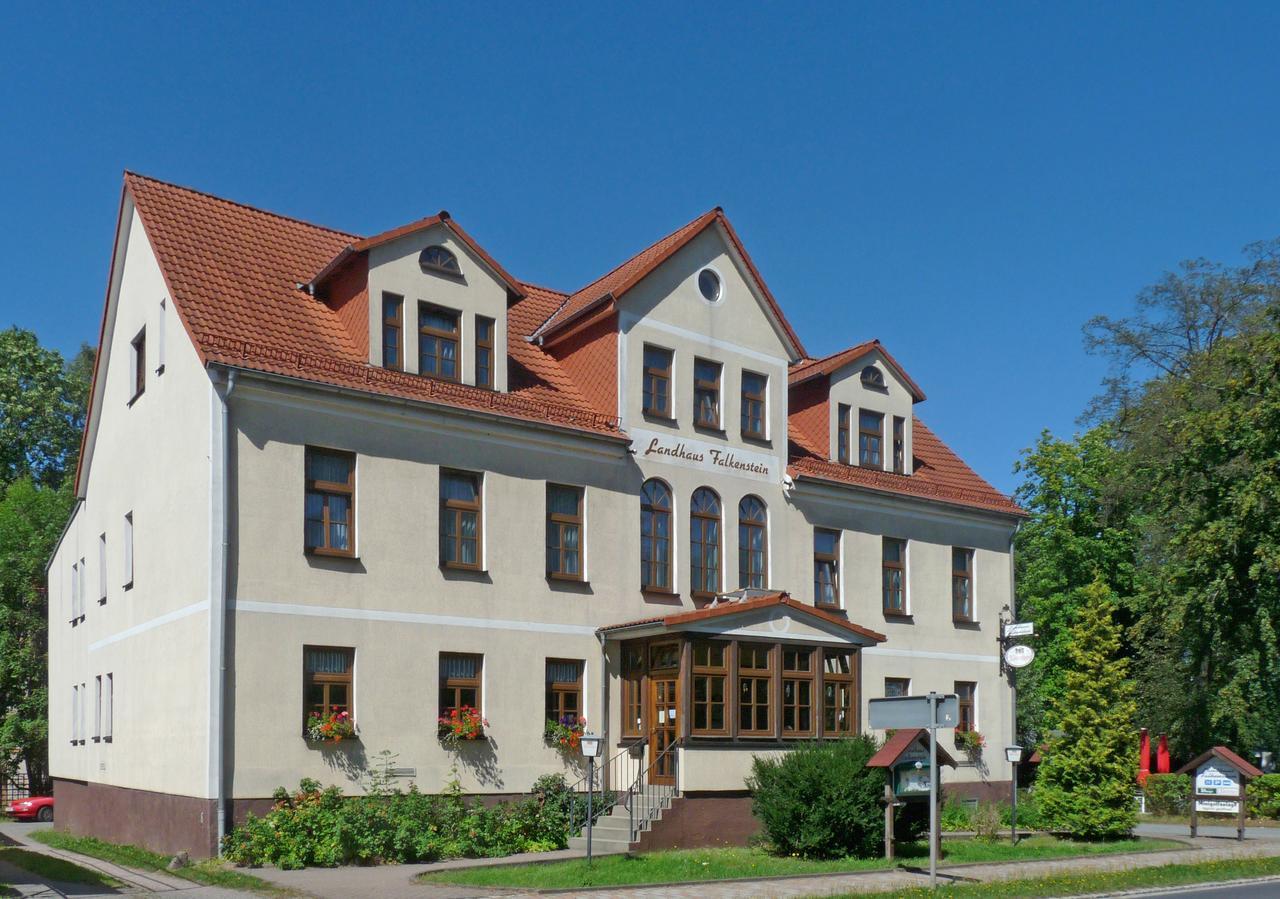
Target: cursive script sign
<point>705,456</point>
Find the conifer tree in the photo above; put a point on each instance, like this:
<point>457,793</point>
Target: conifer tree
<point>1085,784</point>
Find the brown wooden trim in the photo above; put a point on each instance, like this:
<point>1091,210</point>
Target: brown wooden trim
<point>450,336</point>
<point>899,445</point>
<point>457,509</point>
<point>752,525</point>
<point>653,377</point>
<point>325,490</point>
<point>560,523</point>
<point>965,576</point>
<point>832,558</point>
<point>750,400</point>
<point>393,322</point>
<point>900,566</point>
<point>649,582</point>
<point>698,523</point>
<point>485,344</point>
<point>843,441</point>
<point>876,433</point>
<point>703,386</point>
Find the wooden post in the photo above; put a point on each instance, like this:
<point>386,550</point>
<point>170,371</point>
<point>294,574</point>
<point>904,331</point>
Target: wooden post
<point>1244,797</point>
<point>1195,818</point>
<point>888,817</point>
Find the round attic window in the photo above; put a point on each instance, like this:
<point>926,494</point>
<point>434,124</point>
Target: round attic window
<point>873,377</point>
<point>436,258</point>
<point>709,285</point>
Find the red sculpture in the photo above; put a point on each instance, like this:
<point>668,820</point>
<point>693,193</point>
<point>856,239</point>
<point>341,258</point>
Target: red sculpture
<point>1162,755</point>
<point>1144,758</point>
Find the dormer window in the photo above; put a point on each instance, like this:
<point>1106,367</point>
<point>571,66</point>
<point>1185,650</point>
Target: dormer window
<point>870,439</point>
<point>872,377</point>
<point>438,342</point>
<point>436,258</point>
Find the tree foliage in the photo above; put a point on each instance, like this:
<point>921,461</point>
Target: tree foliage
<point>1085,784</point>
<point>41,409</point>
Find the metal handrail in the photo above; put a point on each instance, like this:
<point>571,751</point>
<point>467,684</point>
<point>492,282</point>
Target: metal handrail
<point>608,772</point>
<point>651,797</point>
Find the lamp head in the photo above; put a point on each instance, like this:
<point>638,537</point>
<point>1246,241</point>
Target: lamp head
<point>591,745</point>
<point>1013,754</point>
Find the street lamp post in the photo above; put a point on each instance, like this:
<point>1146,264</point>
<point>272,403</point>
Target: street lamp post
<point>591,744</point>
<point>1014,755</point>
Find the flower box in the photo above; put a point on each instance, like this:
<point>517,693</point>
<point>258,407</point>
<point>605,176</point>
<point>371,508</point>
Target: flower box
<point>330,727</point>
<point>565,734</point>
<point>461,725</point>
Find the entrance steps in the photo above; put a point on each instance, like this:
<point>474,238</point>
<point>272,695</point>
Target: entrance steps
<point>612,832</point>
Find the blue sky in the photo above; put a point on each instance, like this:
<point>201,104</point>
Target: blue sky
<point>967,182</point>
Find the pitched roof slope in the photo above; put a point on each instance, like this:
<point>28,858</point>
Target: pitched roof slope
<point>807,369</point>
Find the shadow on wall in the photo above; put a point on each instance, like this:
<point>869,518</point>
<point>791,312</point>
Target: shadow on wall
<point>480,759</point>
<point>348,758</point>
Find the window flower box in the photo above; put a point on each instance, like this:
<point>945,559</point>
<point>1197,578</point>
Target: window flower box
<point>971,743</point>
<point>461,725</point>
<point>330,727</point>
<point>565,734</point>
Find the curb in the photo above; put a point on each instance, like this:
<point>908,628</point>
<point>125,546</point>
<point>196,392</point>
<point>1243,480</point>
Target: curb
<point>1184,888</point>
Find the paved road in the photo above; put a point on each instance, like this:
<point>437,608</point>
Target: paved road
<point>1182,830</point>
<point>1265,890</point>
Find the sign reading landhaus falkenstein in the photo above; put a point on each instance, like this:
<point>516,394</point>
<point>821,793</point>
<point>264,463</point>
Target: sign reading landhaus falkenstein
<point>705,456</point>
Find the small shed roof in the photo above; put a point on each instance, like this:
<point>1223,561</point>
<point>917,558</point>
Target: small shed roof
<point>1223,754</point>
<point>902,740</point>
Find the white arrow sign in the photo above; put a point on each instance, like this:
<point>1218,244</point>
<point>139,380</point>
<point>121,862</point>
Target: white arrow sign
<point>1020,629</point>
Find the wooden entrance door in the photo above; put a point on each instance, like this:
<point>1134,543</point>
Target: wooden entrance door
<point>663,690</point>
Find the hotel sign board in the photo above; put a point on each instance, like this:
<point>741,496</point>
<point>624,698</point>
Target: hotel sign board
<point>715,458</point>
<point>1221,785</point>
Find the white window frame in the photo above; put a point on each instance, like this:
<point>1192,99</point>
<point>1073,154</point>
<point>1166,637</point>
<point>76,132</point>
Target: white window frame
<point>75,592</point>
<point>75,714</point>
<point>102,569</point>
<point>108,710</point>
<point>97,708</point>
<point>128,550</point>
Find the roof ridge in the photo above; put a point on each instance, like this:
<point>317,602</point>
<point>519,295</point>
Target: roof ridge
<point>204,193</point>
<point>544,288</point>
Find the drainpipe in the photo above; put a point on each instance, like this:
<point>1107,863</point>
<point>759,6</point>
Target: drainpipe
<point>604,704</point>
<point>219,534</point>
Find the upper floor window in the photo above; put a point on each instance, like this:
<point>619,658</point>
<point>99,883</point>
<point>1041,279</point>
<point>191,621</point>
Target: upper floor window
<point>460,682</point>
<point>657,382</point>
<point>842,433</point>
<point>704,542</point>
<point>706,394</point>
<point>826,567</point>
<point>436,258</point>
<point>754,390</point>
<point>108,702</point>
<point>102,568</point>
<point>709,285</point>
<point>138,366</point>
<point>899,445</point>
<point>459,519</point>
<point>655,535</point>
<point>330,503</point>
<point>564,532</point>
<point>484,351</point>
<point>392,339</point>
<point>961,584</point>
<point>873,377</point>
<point>752,542</point>
<point>127,543</point>
<point>564,691</point>
<point>893,570</point>
<point>967,696</point>
<point>327,675</point>
<point>438,342</point>
<point>870,439</point>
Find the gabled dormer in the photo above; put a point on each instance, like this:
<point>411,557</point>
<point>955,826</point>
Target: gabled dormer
<point>425,299</point>
<point>855,407</point>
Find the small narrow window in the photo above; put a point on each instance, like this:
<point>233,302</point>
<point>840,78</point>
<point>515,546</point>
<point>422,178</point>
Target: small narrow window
<point>797,691</point>
<point>826,567</point>
<point>962,584</point>
<point>899,445</point>
<point>655,536</point>
<point>564,532</point>
<point>160,339</point>
<point>704,542</point>
<point>967,696</point>
<point>330,502</point>
<point>438,259</point>
<point>564,692</point>
<point>633,671</point>
<point>753,542</point>
<point>327,681</point>
<point>839,704</point>
<point>754,392</point>
<point>108,707</point>
<point>710,686</point>
<point>897,686</point>
<point>656,396</point>
<point>392,332</point>
<point>893,568</point>
<point>706,394</point>
<point>102,569</point>
<point>139,367</point>
<point>870,439</point>
<point>755,681</point>
<point>460,524</point>
<point>97,708</point>
<point>842,433</point>
<point>75,592</point>
<point>459,682</point>
<point>128,550</point>
<point>484,352</point>
<point>437,342</point>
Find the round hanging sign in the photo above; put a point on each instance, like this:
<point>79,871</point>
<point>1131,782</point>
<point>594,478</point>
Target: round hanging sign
<point>1019,655</point>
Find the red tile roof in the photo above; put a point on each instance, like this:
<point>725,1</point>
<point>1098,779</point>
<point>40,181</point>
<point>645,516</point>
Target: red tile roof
<point>888,754</point>
<point>807,369</point>
<point>1221,752</point>
<point>722,609</point>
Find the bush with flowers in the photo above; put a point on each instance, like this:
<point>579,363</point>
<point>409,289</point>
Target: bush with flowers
<point>970,742</point>
<point>464,723</point>
<point>330,727</point>
<point>565,734</point>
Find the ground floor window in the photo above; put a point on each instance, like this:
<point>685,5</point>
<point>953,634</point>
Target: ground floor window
<point>710,686</point>
<point>967,694</point>
<point>459,681</point>
<point>633,669</point>
<point>839,702</point>
<point>327,680</point>
<point>564,691</point>
<point>755,682</point>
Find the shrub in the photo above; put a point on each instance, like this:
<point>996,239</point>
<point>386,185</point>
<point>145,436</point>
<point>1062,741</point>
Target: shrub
<point>1028,812</point>
<point>821,800</point>
<point>986,820</point>
<point>955,816</point>
<point>1264,796</point>
<point>1168,794</point>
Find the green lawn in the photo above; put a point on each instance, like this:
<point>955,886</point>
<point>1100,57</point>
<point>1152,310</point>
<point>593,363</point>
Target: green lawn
<point>721,864</point>
<point>210,873</point>
<point>53,868</point>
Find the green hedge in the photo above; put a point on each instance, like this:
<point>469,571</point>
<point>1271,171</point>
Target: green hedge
<point>820,800</point>
<point>1168,794</point>
<point>1264,796</point>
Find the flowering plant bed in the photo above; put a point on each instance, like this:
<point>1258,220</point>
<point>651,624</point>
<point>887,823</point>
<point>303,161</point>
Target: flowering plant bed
<point>330,727</point>
<point>462,724</point>
<point>970,742</point>
<point>566,733</point>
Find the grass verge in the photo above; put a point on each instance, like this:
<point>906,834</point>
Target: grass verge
<point>210,872</point>
<point>686,865</point>
<point>1102,882</point>
<point>52,868</point>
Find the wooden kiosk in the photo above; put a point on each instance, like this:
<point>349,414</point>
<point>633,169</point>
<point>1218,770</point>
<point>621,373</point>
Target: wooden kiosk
<point>905,758</point>
<point>1221,786</point>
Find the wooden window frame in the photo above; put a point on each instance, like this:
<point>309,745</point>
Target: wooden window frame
<point>558,523</point>
<point>703,387</point>
<point>697,532</point>
<point>967,714</point>
<point>634,687</point>
<point>831,558</point>
<point>769,676</point>
<point>455,509</point>
<point>850,680</point>
<point>710,672</point>
<point>558,692</point>
<point>899,445</point>
<point>866,434</point>
<point>652,378</point>
<point>899,566</point>
<point>744,550</point>
<point>965,576</point>
<point>648,572</point>
<point>485,345</point>
<point>393,323</point>
<point>454,336</point>
<point>798,677</point>
<point>458,684</point>
<point>326,489</point>
<point>843,414</point>
<point>326,679</point>
<point>750,400</point>
<point>139,348</point>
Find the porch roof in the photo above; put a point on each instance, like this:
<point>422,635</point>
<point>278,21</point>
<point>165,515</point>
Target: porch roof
<point>888,755</point>
<point>743,604</point>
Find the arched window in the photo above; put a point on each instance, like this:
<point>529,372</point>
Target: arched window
<point>655,535</point>
<point>436,258</point>
<point>873,377</point>
<point>753,542</point>
<point>704,542</point>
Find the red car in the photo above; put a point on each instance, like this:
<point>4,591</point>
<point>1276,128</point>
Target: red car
<point>37,808</point>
